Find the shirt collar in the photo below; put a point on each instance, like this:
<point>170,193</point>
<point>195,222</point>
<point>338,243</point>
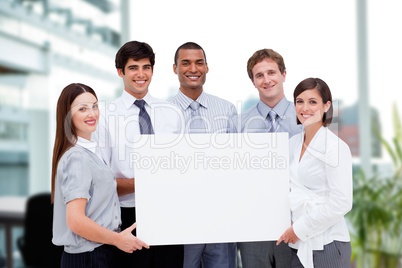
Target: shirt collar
<point>185,101</point>
<point>87,144</point>
<point>128,100</point>
<point>280,108</point>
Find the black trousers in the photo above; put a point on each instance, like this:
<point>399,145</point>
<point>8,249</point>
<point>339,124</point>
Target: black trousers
<point>104,256</point>
<point>170,256</point>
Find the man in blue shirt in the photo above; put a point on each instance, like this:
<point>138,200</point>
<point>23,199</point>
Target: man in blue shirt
<point>273,113</point>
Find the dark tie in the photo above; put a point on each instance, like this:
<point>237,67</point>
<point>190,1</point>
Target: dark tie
<point>143,118</point>
<point>274,124</point>
<point>197,124</point>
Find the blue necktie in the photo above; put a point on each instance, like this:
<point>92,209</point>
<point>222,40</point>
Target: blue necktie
<point>197,124</point>
<point>274,124</point>
<point>143,118</point>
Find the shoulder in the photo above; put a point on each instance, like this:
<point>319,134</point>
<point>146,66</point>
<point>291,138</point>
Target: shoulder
<point>336,147</point>
<point>252,111</point>
<point>216,99</point>
<point>74,158</point>
<point>75,152</point>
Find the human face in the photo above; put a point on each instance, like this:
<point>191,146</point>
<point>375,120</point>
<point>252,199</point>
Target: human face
<point>136,77</point>
<point>191,69</point>
<point>268,79</point>
<point>310,107</point>
<point>85,114</point>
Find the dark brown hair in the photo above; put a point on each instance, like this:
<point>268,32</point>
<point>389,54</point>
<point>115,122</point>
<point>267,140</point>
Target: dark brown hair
<point>66,134</point>
<point>134,50</point>
<point>323,90</point>
<point>261,55</point>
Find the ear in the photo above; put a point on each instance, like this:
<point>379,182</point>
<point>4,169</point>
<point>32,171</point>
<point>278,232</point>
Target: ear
<point>284,76</point>
<point>206,64</point>
<point>175,68</point>
<point>327,106</point>
<point>120,72</point>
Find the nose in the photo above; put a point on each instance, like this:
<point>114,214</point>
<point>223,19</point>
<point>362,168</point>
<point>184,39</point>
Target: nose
<point>193,67</point>
<point>305,107</point>
<point>91,112</point>
<point>267,79</point>
<point>140,72</point>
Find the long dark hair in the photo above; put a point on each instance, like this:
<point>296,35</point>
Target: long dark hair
<point>66,134</point>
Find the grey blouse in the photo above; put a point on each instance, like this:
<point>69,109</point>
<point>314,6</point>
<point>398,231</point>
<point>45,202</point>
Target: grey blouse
<point>82,174</point>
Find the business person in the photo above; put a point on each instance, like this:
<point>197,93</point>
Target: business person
<point>204,113</point>
<point>273,113</point>
<point>134,113</point>
<point>321,190</point>
<point>86,210</point>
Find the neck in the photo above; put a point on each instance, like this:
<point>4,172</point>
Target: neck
<point>272,102</point>
<point>191,93</point>
<point>310,131</point>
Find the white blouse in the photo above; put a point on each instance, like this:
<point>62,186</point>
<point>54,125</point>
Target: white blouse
<point>321,193</point>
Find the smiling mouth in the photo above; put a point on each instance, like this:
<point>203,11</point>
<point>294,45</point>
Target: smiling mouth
<point>91,122</point>
<point>141,82</point>
<point>192,77</point>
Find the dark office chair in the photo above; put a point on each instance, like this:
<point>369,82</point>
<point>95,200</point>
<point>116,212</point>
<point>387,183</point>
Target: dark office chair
<point>36,245</point>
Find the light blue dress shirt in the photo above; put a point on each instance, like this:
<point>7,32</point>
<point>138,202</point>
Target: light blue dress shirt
<point>255,120</point>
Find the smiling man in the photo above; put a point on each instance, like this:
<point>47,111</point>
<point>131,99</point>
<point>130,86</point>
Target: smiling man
<point>204,113</point>
<point>135,113</point>
<point>273,113</point>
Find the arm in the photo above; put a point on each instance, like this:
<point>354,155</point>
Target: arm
<point>85,227</point>
<point>125,186</point>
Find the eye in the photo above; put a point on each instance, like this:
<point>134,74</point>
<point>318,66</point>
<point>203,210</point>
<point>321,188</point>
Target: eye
<point>313,102</point>
<point>82,109</point>
<point>299,101</point>
<point>95,107</point>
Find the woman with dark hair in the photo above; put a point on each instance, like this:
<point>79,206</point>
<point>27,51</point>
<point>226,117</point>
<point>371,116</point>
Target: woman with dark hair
<point>86,207</point>
<point>321,190</point>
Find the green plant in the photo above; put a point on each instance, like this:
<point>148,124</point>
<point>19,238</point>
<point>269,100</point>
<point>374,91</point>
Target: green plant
<point>376,217</point>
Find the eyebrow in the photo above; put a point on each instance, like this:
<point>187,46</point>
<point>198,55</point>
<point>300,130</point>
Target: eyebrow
<point>85,103</point>
<point>136,65</point>
<point>187,60</point>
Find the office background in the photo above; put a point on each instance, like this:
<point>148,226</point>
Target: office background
<point>47,44</point>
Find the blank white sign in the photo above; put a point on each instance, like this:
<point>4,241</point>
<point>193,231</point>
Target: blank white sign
<point>211,188</point>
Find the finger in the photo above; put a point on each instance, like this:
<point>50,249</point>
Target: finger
<point>132,227</point>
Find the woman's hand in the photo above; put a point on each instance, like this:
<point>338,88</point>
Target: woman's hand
<point>128,242</point>
<point>288,236</point>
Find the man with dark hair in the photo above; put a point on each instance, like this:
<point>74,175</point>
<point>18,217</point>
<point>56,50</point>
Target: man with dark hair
<point>204,113</point>
<point>135,113</point>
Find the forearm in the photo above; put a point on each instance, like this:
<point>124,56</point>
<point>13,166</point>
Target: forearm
<point>125,186</point>
<point>90,230</point>
<point>85,227</point>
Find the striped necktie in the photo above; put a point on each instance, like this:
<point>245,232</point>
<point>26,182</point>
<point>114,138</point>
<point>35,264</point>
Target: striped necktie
<point>197,124</point>
<point>273,118</point>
